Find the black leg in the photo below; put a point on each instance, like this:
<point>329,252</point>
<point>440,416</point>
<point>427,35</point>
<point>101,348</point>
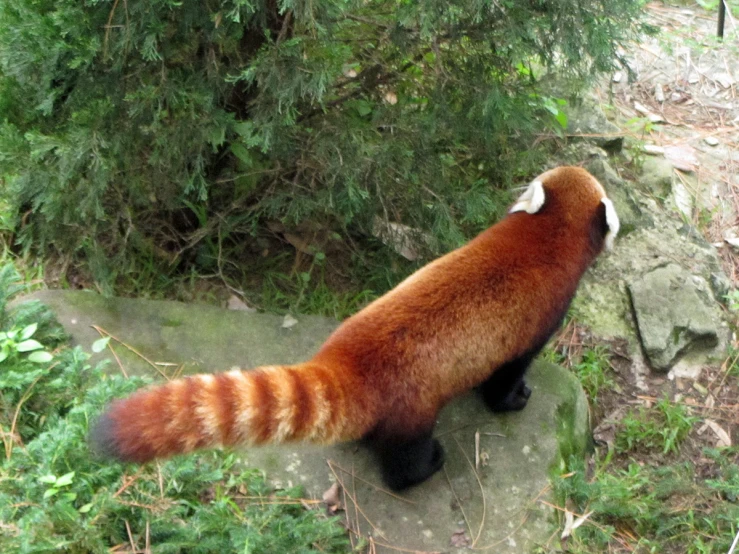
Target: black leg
<point>506,390</point>
<point>407,462</point>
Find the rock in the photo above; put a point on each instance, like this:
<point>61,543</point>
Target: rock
<point>720,285</point>
<point>682,157</point>
<point>674,314</point>
<point>659,93</point>
<point>587,118</point>
<point>653,150</point>
<point>629,212</point>
<point>202,337</point>
<point>643,110</point>
<point>603,301</point>
<point>499,500</point>
<point>711,141</point>
<point>236,303</point>
<point>575,153</point>
<point>656,176</point>
<point>405,240</point>
<point>726,80</point>
<point>603,306</point>
<point>682,199</point>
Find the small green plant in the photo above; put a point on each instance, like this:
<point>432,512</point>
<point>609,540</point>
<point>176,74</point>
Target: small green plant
<point>732,362</point>
<point>17,341</point>
<point>732,299</point>
<point>640,128</point>
<point>556,107</point>
<point>726,479</point>
<point>592,368</point>
<point>59,484</point>
<point>592,371</point>
<point>662,427</point>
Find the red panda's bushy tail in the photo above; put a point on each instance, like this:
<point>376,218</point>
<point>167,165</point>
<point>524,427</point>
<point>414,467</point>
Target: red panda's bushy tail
<point>270,404</point>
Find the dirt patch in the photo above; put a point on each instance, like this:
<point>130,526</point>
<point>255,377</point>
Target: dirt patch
<point>679,93</point>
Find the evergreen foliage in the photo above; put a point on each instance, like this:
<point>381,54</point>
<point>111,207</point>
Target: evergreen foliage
<point>156,133</point>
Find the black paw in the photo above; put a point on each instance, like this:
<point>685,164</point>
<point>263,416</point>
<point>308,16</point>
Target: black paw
<point>412,466</point>
<point>437,458</point>
<point>515,401</point>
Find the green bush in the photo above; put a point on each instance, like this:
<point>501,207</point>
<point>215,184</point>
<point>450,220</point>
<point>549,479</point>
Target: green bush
<point>164,134</point>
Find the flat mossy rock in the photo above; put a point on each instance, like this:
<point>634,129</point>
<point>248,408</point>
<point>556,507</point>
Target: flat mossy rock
<point>495,507</point>
<point>202,338</point>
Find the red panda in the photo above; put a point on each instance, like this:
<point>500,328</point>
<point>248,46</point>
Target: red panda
<point>475,317</point>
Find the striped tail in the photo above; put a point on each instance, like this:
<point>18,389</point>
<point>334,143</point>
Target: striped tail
<point>270,404</point>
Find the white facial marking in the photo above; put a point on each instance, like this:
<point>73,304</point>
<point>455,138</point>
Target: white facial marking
<point>531,200</point>
<point>612,221</point>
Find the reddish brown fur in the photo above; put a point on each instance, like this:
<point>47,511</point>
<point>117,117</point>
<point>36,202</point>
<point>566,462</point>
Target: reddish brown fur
<point>388,370</point>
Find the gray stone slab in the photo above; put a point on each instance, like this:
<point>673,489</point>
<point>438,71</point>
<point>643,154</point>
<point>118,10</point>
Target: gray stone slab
<point>675,313</point>
<point>496,507</point>
<point>202,337</point>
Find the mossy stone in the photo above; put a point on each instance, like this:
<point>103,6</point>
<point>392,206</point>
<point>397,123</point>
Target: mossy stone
<point>499,500</point>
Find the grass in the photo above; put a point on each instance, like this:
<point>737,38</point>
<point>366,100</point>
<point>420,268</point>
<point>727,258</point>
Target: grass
<point>662,428</point>
<point>303,293</point>
<point>654,509</point>
<point>55,497</point>
<point>593,371</point>
<point>655,489</point>
<point>591,366</point>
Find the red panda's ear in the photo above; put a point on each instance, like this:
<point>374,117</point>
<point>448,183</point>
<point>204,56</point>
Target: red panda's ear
<point>531,200</point>
<point>611,221</point>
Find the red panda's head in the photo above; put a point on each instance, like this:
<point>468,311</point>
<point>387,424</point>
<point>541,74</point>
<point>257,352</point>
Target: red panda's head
<point>575,196</point>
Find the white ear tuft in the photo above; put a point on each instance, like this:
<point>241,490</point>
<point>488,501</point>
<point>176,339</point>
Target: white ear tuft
<point>531,200</point>
<point>611,221</point>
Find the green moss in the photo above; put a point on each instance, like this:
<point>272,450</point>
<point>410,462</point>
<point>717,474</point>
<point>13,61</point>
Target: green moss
<point>601,306</point>
<point>171,323</point>
<point>572,418</point>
